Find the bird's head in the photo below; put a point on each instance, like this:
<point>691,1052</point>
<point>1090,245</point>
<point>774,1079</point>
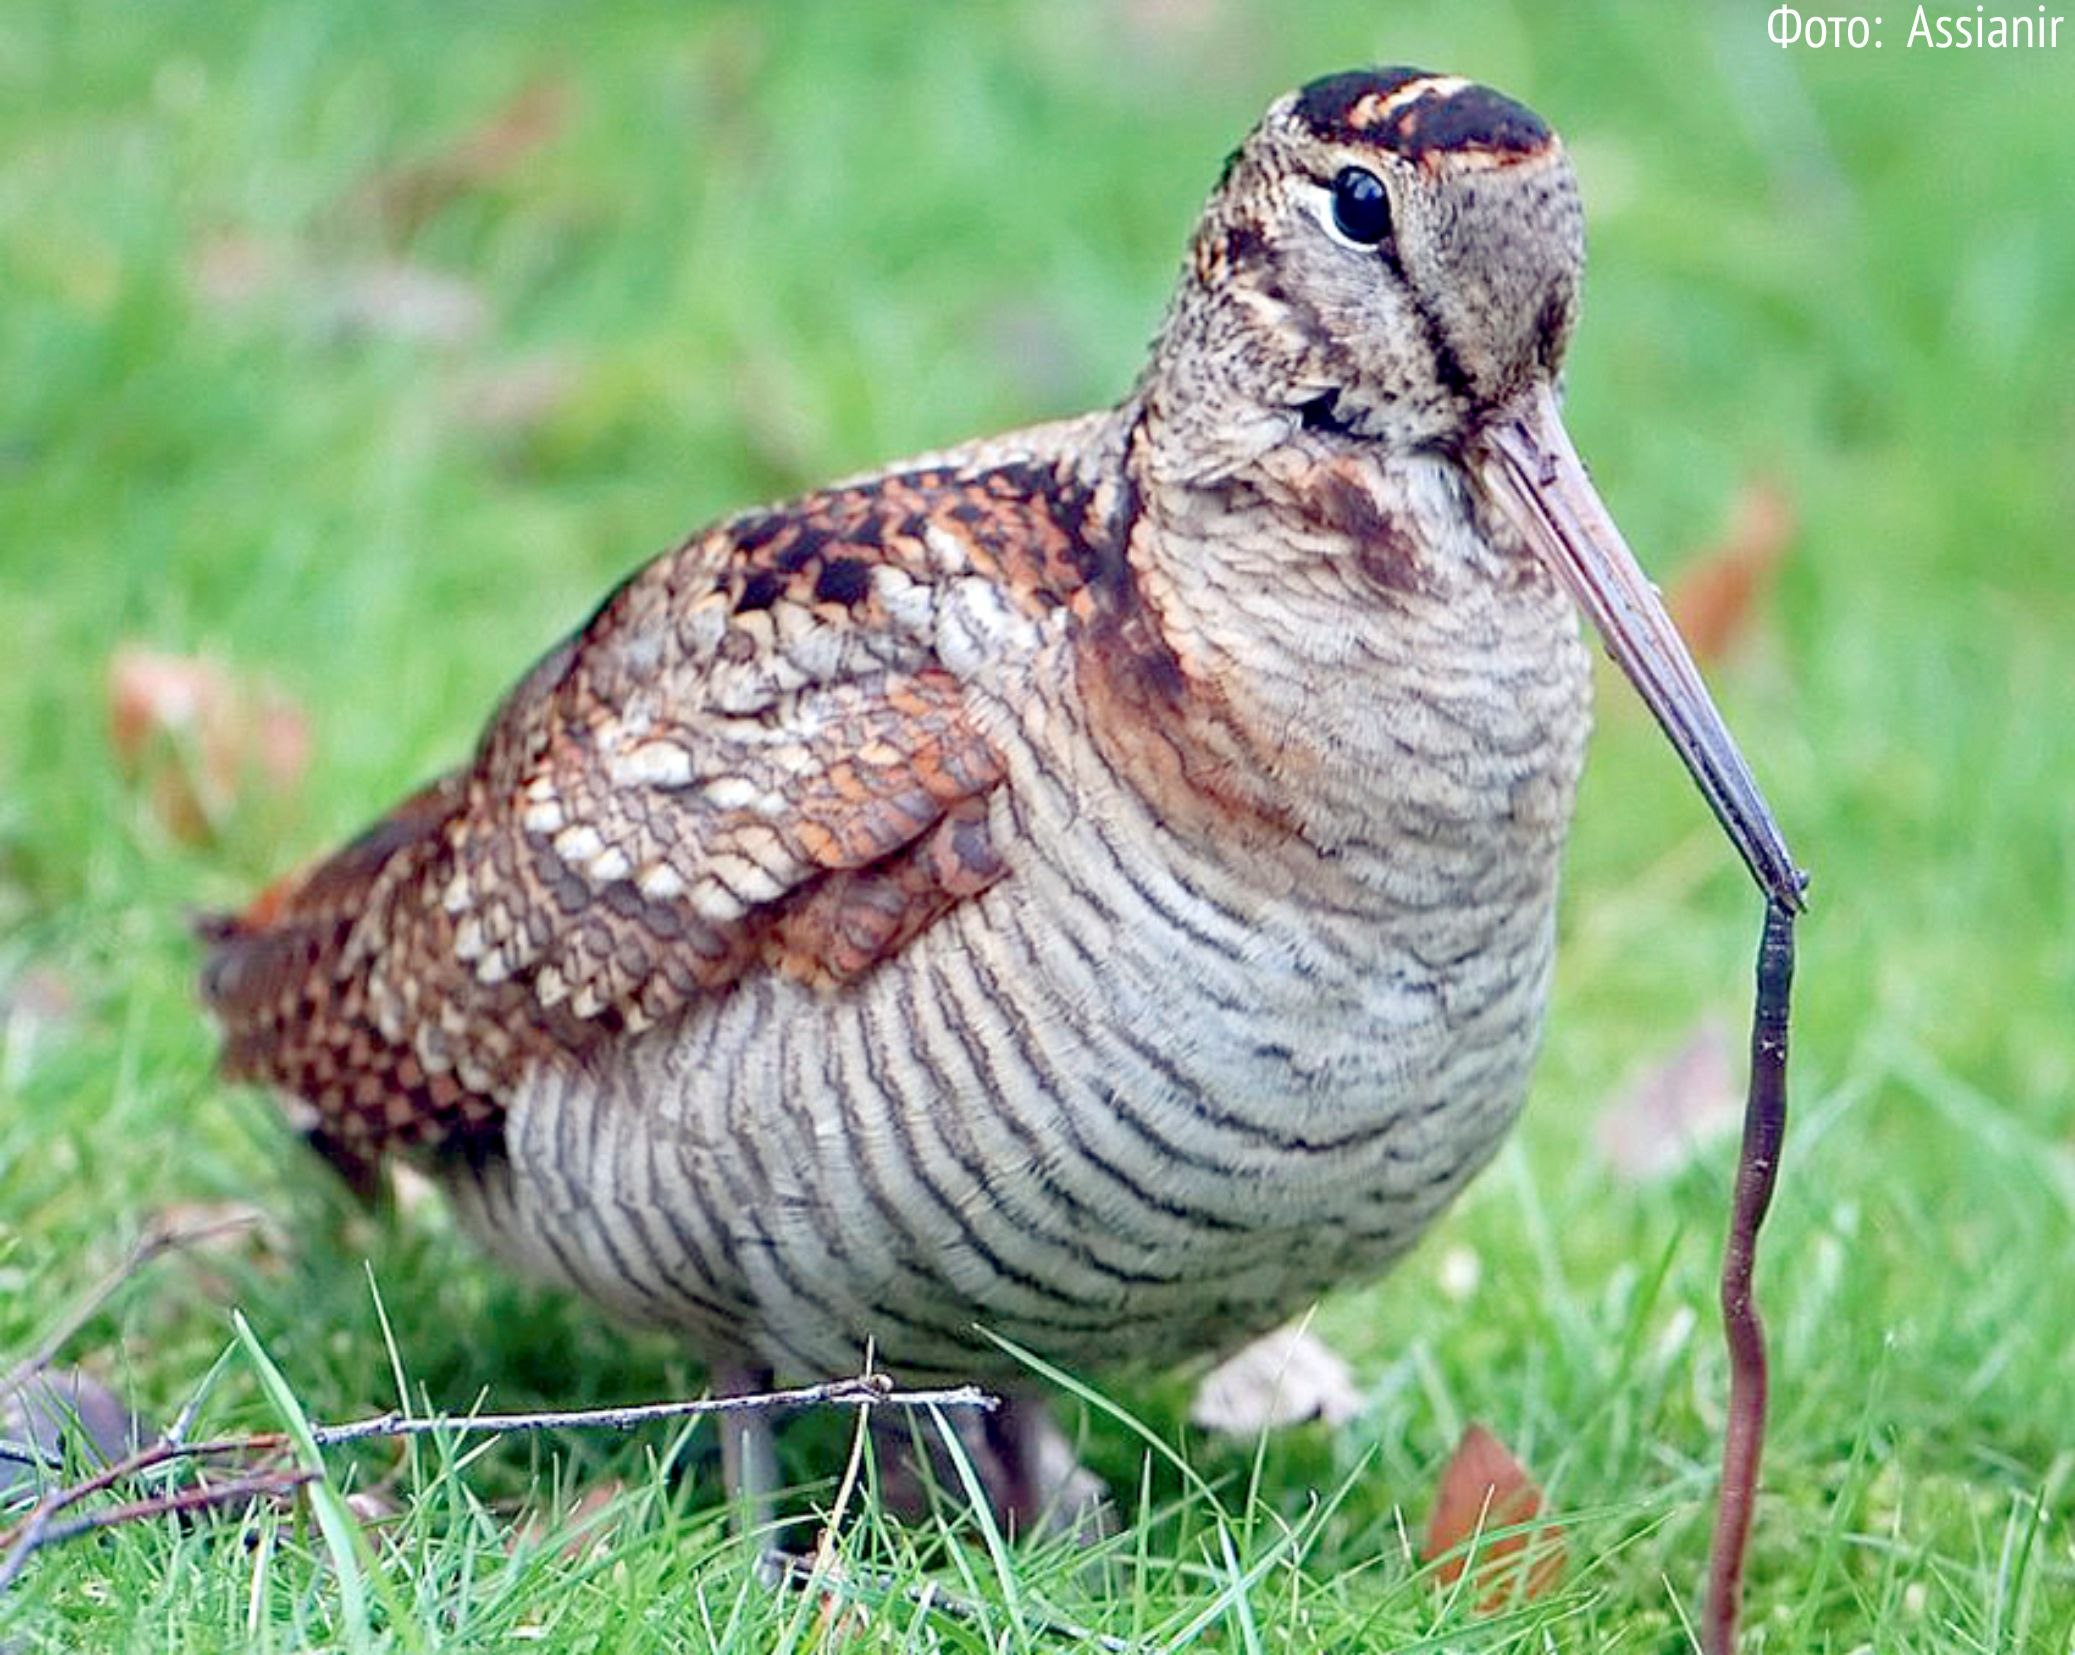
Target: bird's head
<point>1396,253</point>
<point>1390,263</point>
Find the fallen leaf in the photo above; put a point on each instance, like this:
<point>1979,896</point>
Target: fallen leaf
<point>62,1420</point>
<point>399,299</point>
<point>513,397</point>
<point>383,298</point>
<point>376,1507</point>
<point>842,1618</point>
<point>197,740</point>
<point>1714,597</point>
<point>235,270</point>
<point>1666,1112</point>
<point>41,993</point>
<point>210,1233</point>
<point>405,196</point>
<point>1484,1490</point>
<point>37,1006</point>
<point>585,1528</point>
<point>1282,1378</point>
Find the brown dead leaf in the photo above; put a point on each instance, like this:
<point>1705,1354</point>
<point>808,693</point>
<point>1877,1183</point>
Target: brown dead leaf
<point>1484,1489</point>
<point>405,196</point>
<point>236,271</point>
<point>513,398</point>
<point>197,740</point>
<point>382,298</point>
<point>36,1007</point>
<point>222,1233</point>
<point>585,1528</point>
<point>374,1507</point>
<point>61,1416</point>
<point>841,1618</point>
<point>41,993</point>
<point>1715,596</point>
<point>1669,1110</point>
<point>399,299</point>
<point>1282,1378</point>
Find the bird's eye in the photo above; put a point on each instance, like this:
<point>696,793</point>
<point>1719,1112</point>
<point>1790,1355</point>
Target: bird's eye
<point>1361,208</point>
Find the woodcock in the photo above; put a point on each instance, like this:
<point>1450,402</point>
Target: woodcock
<point>1096,884</point>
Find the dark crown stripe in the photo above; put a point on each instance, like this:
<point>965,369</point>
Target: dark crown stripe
<point>1386,107</point>
<point>1330,107</point>
<point>1471,117</point>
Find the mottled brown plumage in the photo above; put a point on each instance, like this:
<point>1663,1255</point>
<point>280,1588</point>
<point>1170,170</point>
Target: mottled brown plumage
<point>743,762</point>
<point>1096,883</point>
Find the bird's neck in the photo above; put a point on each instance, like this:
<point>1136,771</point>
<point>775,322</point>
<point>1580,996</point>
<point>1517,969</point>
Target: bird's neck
<point>1338,644</point>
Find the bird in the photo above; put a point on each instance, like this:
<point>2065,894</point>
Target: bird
<point>1088,892</point>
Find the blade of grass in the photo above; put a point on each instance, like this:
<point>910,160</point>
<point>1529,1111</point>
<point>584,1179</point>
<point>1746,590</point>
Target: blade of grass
<point>352,1562</point>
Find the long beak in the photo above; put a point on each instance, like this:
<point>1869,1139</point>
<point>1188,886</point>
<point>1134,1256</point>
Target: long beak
<point>1534,474</point>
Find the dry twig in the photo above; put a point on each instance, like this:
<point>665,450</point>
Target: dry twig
<point>264,1458</point>
<point>158,1238</point>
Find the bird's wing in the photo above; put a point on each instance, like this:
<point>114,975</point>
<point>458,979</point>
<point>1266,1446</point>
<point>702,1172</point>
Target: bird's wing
<point>752,758</point>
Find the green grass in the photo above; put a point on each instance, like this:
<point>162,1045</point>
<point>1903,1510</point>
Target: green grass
<point>774,244</point>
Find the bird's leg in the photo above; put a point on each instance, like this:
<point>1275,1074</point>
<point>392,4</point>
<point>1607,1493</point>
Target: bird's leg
<point>748,1453</point>
<point>1043,1486</point>
<point>1033,1481</point>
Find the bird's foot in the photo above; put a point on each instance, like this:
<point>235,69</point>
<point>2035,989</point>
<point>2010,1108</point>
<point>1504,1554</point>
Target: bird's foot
<point>749,1463</point>
<point>1025,1465</point>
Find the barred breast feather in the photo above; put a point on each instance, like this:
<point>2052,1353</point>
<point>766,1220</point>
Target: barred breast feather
<point>970,896</point>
